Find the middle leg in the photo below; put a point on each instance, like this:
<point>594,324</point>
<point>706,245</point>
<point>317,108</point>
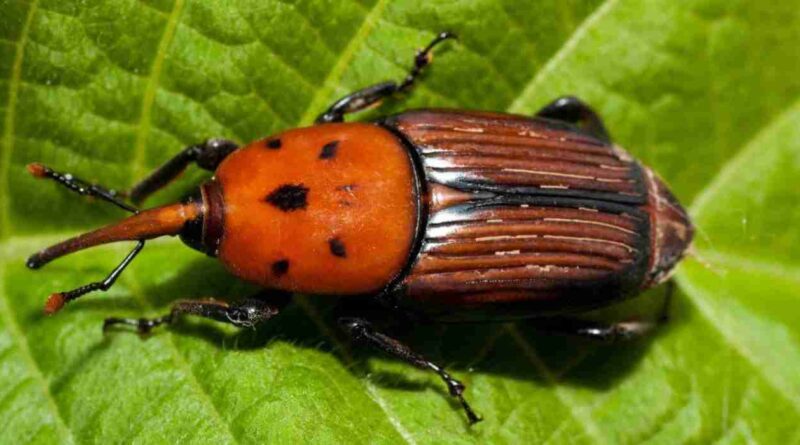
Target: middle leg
<point>244,314</point>
<point>207,155</point>
<point>596,331</point>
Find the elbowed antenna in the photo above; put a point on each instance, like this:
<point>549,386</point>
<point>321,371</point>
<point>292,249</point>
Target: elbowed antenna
<point>147,224</point>
<point>186,219</point>
<point>144,225</point>
<point>183,218</point>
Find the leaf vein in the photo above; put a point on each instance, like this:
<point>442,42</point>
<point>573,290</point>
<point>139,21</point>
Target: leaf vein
<point>732,338</point>
<point>180,360</point>
<point>347,54</point>
<point>349,361</point>
<point>576,412</point>
<point>10,120</point>
<point>568,46</point>
<point>279,57</point>
<point>761,266</point>
<point>151,89</point>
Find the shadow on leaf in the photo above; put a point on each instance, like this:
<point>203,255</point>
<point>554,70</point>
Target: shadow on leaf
<point>516,350</point>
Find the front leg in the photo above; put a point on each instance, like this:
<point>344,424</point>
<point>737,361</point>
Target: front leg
<point>244,314</point>
<point>57,300</point>
<point>373,95</point>
<point>207,155</point>
<point>363,331</point>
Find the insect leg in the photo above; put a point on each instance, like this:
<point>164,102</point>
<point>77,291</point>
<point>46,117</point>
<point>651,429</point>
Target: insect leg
<point>373,95</point>
<point>572,110</point>
<point>244,314</point>
<point>206,155</point>
<point>57,300</point>
<point>602,332</point>
<point>608,332</point>
<point>363,331</point>
<point>80,186</point>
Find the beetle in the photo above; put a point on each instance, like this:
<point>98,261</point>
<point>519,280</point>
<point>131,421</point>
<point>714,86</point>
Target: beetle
<point>443,215</point>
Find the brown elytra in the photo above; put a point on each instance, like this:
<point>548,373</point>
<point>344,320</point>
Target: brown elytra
<point>532,218</point>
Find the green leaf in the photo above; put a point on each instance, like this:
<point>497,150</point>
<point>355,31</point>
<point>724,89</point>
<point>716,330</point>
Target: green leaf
<point>704,91</point>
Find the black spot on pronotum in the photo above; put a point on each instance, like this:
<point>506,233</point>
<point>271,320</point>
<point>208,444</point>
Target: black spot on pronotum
<point>329,150</point>
<point>279,268</point>
<point>274,144</point>
<point>337,247</point>
<point>289,197</point>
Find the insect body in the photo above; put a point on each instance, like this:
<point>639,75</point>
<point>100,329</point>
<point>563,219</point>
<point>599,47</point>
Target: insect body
<point>448,215</point>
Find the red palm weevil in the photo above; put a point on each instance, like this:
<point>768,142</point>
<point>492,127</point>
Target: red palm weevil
<point>446,215</point>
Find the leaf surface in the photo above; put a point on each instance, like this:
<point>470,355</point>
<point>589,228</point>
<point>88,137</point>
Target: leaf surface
<point>704,91</point>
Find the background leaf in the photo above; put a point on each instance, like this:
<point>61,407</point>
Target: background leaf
<point>705,91</point>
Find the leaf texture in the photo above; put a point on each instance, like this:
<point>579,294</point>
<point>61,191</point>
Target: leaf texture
<point>704,91</point>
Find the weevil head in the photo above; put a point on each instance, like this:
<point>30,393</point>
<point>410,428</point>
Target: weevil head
<point>197,220</point>
<point>672,231</point>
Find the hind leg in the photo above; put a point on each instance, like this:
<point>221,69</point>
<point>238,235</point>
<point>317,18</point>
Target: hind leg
<point>608,332</point>
<point>363,331</point>
<point>572,110</point>
<point>374,94</point>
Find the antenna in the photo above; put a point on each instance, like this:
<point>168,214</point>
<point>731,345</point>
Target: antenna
<point>141,226</point>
